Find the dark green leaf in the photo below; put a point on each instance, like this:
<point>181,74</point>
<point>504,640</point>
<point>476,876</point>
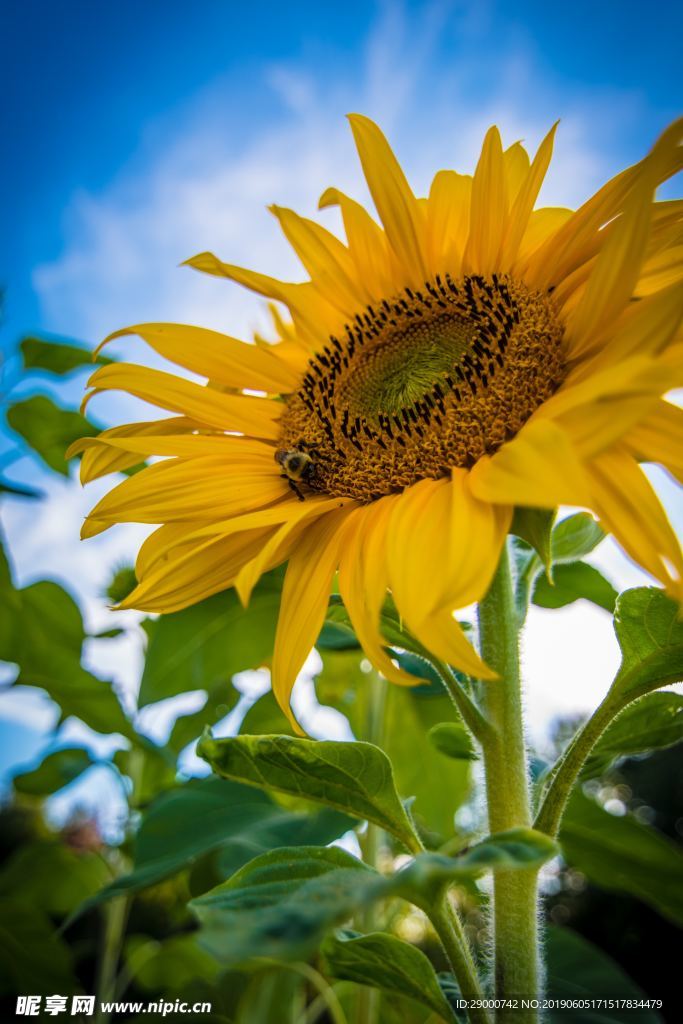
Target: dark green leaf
<point>534,525</point>
<point>169,965</point>
<point>55,771</point>
<point>53,877</point>
<point>387,963</point>
<point>280,904</point>
<point>209,814</point>
<point>266,716</point>
<point>33,958</point>
<point>337,633</point>
<point>650,723</point>
<point>650,633</point>
<point>56,356</point>
<point>453,740</point>
<point>579,970</point>
<point>49,429</point>
<point>205,645</point>
<point>355,778</point>
<point>571,582</point>
<point>575,537</point>
<point>621,854</point>
<point>18,490</point>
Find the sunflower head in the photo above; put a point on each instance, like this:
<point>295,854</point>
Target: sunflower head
<point>466,354</point>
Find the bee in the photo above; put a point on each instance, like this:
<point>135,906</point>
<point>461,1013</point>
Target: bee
<point>298,465</point>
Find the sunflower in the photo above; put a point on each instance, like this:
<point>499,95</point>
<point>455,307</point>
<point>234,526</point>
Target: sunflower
<point>465,355</point>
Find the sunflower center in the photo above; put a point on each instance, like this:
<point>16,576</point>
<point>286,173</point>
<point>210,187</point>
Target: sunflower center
<point>425,381</point>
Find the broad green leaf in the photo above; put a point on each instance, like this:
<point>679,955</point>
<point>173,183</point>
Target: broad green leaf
<point>571,582</point>
<point>650,723</point>
<point>280,904</point>
<point>579,970</point>
<point>266,716</point>
<point>575,537</point>
<point>210,814</point>
<point>205,645</point>
<point>355,778</point>
<point>650,633</point>
<point>534,525</point>
<point>52,877</point>
<point>56,356</point>
<point>169,965</point>
<point>49,429</point>
<point>46,643</point>
<point>55,771</point>
<point>621,854</point>
<point>387,963</point>
<point>453,740</point>
<point>33,957</point>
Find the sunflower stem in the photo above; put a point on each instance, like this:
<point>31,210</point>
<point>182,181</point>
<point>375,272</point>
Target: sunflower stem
<point>566,770</point>
<point>515,910</point>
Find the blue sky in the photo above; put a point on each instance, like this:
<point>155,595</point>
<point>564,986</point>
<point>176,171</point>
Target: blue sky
<point>139,134</point>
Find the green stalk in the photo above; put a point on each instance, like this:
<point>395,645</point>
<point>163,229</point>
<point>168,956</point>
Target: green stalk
<point>448,927</point>
<point>115,916</point>
<point>515,909</point>
<point>567,769</point>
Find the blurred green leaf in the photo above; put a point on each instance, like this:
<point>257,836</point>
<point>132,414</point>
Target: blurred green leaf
<point>57,356</point>
<point>219,702</point>
<point>620,854</point>
<point>579,970</point>
<point>534,525</point>
<point>650,723</point>
<point>650,633</point>
<point>355,778</point>
<point>33,958</point>
<point>209,814</point>
<point>52,877</point>
<point>18,490</point>
<point>453,740</point>
<point>571,582</point>
<point>49,429</point>
<point>280,904</point>
<point>266,716</point>
<point>169,965</point>
<point>575,537</point>
<point>55,771</point>
<point>205,645</point>
<point>387,963</point>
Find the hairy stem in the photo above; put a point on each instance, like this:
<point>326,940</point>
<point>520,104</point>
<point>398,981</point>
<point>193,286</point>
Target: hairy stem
<point>515,911</point>
<point>567,769</point>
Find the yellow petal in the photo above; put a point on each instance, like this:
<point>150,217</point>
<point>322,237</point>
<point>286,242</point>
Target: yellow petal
<point>516,163</point>
<point>629,509</point>
<point>255,416</point>
<point>538,468</point>
<point>109,452</point>
<point>660,271</point>
<point>448,221</point>
<point>525,199</point>
<point>363,579</point>
<point>418,527</point>
<point>367,245</point>
<point>488,218</point>
<point>443,636</point>
<point>543,224</point>
<point>659,438</point>
<point>233,448</point>
<point>216,356</point>
<point>398,208</point>
<point>305,597</point>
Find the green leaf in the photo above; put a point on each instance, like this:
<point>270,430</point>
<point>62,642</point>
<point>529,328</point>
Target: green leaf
<point>18,490</point>
<point>49,429</point>
<point>56,356</point>
<point>33,958</point>
<point>337,633</point>
<point>650,723</point>
<point>575,537</point>
<point>219,703</point>
<point>53,877</point>
<point>169,965</point>
<point>620,854</point>
<point>210,814</point>
<point>579,970</point>
<point>55,771</point>
<point>389,964</point>
<point>453,740</point>
<point>266,716</point>
<point>205,645</point>
<point>534,525</point>
<point>280,904</point>
<point>650,634</point>
<point>355,778</point>
<point>45,641</point>
<point>571,582</point>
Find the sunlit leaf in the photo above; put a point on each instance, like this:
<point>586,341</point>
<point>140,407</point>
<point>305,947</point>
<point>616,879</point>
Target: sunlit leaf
<point>571,582</point>
<point>650,723</point>
<point>534,526</point>
<point>453,740</point>
<point>574,537</point>
<point>650,633</point>
<point>355,778</point>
